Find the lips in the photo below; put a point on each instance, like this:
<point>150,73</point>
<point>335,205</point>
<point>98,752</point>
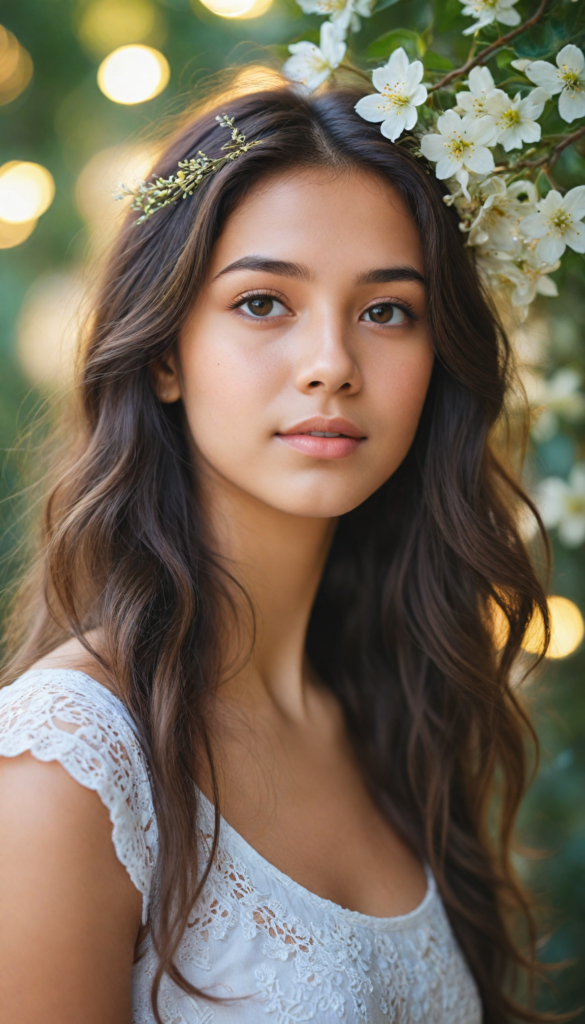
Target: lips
<point>323,437</point>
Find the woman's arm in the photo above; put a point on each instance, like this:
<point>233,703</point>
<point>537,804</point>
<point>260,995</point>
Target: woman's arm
<point>69,913</point>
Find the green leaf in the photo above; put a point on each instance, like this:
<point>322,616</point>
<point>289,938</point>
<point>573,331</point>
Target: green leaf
<point>412,42</point>
<point>542,40</point>
<point>435,62</point>
<point>505,57</point>
<point>383,4</point>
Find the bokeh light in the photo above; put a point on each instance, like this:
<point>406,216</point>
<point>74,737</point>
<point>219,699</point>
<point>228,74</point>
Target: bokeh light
<point>258,8</point>
<point>26,191</point>
<point>15,234</point>
<point>106,24</point>
<point>133,74</point>
<point>48,329</point>
<point>100,179</point>
<point>566,629</point>
<point>230,8</point>
<point>16,67</point>
<point>566,622</point>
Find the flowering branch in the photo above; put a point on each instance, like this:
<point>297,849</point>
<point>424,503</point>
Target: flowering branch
<point>502,41</point>
<point>550,159</point>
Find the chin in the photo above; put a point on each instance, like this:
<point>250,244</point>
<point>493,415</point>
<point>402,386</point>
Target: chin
<point>323,502</point>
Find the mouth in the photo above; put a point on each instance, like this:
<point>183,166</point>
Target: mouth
<point>323,438</point>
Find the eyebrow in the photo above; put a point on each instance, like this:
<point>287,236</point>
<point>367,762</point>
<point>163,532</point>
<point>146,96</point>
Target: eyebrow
<point>269,266</point>
<point>386,274</point>
<point>284,268</point>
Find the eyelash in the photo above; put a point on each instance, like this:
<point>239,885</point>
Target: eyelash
<point>402,305</point>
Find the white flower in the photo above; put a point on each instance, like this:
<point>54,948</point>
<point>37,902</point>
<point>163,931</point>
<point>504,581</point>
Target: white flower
<point>347,12</point>
<point>558,398</point>
<point>399,94</point>
<point>522,274</point>
<point>568,78</point>
<point>497,223</point>
<point>515,118</point>
<point>460,147</point>
<point>311,65</point>
<point>557,224</point>
<point>562,504</point>
<point>488,11</point>
<point>480,83</point>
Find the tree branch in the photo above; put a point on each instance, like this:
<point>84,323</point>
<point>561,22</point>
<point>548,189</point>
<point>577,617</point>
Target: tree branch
<point>502,41</point>
<point>550,159</point>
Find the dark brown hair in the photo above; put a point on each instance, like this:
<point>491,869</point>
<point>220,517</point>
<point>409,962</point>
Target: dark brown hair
<point>400,630</point>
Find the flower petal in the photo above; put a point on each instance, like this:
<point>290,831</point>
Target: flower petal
<point>372,108</point>
<point>509,17</point>
<point>480,161</point>
<point>432,146</point>
<point>480,80</point>
<point>410,117</point>
<point>383,78</point>
<point>575,237</point>
<point>419,95</point>
<point>447,166</point>
<point>546,75</point>
<point>394,125</point>
<point>574,202</point>
<point>572,58</point>
<point>550,249</point>
<point>482,130</point>
<point>449,122</point>
<point>399,61</point>
<point>572,104</point>
<point>413,75</point>
<point>534,226</point>
<point>546,286</point>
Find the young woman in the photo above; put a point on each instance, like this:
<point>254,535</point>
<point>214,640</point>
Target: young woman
<point>253,728</point>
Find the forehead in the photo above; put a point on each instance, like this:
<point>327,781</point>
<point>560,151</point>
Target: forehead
<point>351,219</point>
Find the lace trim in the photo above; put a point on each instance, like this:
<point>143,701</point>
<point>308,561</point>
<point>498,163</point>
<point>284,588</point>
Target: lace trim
<point>316,967</point>
<point>66,716</point>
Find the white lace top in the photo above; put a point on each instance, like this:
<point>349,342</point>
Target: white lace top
<point>283,954</point>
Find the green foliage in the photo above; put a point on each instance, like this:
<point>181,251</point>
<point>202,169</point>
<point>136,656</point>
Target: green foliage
<point>411,41</point>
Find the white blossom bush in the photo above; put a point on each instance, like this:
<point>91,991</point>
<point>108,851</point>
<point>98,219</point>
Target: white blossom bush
<point>562,505</point>
<point>492,135</point>
<point>488,146</point>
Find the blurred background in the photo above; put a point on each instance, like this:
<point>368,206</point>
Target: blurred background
<point>82,82</point>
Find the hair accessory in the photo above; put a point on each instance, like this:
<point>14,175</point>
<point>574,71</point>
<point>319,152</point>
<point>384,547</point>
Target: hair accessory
<point>154,195</point>
<point>485,131</point>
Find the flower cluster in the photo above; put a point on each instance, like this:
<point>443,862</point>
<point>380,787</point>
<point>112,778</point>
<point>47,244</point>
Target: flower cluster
<point>479,136</point>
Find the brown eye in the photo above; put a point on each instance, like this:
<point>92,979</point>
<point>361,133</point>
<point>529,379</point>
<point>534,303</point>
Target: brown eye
<point>263,306</point>
<point>385,313</point>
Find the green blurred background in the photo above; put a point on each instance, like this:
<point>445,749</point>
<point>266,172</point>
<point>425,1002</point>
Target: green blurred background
<point>53,113</point>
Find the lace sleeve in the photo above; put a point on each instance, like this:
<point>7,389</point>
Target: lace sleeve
<point>65,716</point>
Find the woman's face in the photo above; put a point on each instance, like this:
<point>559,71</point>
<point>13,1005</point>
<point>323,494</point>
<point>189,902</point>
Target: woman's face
<point>312,322</point>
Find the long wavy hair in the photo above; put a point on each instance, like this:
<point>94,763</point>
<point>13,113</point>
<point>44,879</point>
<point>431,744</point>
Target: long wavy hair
<point>400,630</point>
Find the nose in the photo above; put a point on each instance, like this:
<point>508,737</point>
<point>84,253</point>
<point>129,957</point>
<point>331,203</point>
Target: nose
<point>324,362</point>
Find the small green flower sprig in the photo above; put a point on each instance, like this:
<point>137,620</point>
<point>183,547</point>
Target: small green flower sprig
<point>154,195</point>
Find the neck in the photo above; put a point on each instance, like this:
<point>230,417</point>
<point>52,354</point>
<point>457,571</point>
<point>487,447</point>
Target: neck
<point>278,559</point>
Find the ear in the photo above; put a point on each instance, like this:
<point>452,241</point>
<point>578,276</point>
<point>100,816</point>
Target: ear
<point>165,378</point>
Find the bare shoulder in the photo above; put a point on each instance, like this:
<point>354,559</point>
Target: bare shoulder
<point>69,913</point>
<point>74,656</point>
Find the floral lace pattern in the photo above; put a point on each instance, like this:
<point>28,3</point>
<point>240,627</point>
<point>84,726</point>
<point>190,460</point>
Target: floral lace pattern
<point>272,949</point>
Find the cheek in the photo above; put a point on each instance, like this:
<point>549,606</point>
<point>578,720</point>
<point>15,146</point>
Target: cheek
<point>398,387</point>
<point>229,389</point>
